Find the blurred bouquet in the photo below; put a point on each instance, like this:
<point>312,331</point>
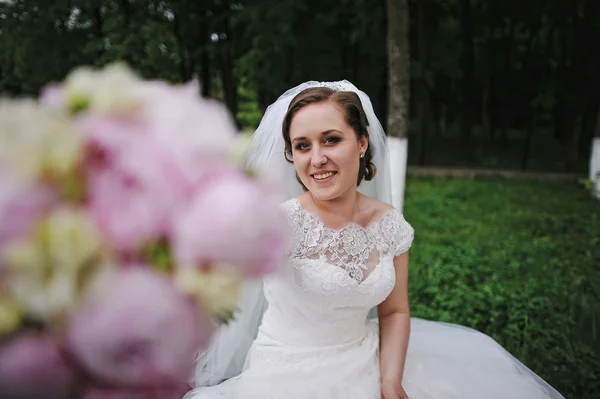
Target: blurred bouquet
<point>127,224</point>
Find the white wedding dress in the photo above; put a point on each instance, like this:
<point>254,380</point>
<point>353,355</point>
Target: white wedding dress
<point>316,341</point>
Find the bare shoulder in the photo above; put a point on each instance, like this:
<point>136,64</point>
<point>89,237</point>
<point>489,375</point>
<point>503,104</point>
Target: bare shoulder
<point>374,208</point>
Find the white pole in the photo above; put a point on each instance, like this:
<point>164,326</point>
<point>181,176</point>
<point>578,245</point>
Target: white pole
<point>398,161</point>
<point>595,166</point>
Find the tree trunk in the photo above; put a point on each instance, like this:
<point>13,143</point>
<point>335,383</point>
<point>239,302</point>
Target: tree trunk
<point>577,89</point>
<point>98,29</point>
<point>486,51</point>
<point>398,68</point>
<point>184,70</point>
<point>588,124</point>
<point>422,103</point>
<point>468,61</point>
<point>531,119</point>
<point>485,95</point>
<point>205,72</point>
<point>227,69</point>
<point>128,14</point>
<point>425,125</point>
<point>229,80</point>
<point>202,55</point>
<point>572,148</point>
<point>527,145</point>
<point>398,95</point>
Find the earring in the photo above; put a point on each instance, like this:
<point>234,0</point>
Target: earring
<point>362,155</point>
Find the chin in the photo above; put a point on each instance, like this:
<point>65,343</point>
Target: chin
<point>324,196</point>
<point>325,193</point>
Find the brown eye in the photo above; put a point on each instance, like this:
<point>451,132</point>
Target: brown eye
<point>301,146</point>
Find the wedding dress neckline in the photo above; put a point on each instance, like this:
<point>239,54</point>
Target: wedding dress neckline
<point>349,225</point>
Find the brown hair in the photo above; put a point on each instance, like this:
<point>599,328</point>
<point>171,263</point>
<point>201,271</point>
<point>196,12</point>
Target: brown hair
<point>350,104</point>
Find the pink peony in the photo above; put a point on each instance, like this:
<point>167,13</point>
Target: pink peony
<point>233,220</point>
<point>21,205</point>
<point>180,116</point>
<point>198,131</point>
<point>139,333</point>
<point>134,183</point>
<point>32,367</point>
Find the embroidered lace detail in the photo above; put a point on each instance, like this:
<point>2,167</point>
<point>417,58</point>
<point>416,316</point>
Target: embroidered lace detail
<point>355,249</point>
<point>337,86</point>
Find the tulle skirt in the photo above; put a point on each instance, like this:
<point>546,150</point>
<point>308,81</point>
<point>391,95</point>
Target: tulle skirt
<point>444,361</point>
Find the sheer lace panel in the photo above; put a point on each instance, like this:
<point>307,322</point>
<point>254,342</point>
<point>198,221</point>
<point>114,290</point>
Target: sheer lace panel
<point>355,249</point>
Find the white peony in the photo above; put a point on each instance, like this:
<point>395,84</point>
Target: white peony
<point>53,269</point>
<point>114,89</point>
<point>217,290</point>
<point>37,141</point>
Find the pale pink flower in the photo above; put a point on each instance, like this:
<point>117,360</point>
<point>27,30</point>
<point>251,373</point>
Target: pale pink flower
<point>140,332</point>
<point>21,205</point>
<point>134,182</point>
<point>233,220</point>
<point>179,116</point>
<point>31,366</point>
<point>198,131</point>
<point>175,115</point>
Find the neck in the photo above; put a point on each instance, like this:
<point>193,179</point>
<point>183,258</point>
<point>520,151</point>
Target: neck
<point>344,206</point>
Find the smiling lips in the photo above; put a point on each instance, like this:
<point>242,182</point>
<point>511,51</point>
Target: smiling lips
<point>324,176</point>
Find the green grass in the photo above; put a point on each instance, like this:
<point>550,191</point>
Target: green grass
<point>519,261</point>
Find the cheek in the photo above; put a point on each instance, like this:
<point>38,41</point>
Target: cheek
<point>301,162</point>
<point>352,166</point>
<point>346,157</point>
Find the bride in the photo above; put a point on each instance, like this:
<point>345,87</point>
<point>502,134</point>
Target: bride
<point>306,332</point>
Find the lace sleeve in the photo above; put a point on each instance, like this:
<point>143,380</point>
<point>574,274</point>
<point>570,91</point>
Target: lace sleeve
<point>397,233</point>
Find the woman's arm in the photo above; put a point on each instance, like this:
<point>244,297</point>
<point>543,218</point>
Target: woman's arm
<point>394,327</point>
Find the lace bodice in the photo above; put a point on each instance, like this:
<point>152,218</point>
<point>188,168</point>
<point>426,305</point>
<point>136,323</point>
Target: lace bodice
<point>353,248</point>
<point>333,278</point>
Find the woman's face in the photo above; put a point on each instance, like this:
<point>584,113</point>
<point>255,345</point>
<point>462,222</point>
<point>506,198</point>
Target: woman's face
<point>325,150</point>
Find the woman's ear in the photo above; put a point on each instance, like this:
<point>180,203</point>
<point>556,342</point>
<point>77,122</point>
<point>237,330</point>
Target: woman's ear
<point>363,143</point>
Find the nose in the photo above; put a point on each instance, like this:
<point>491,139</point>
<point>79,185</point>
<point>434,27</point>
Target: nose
<point>318,159</point>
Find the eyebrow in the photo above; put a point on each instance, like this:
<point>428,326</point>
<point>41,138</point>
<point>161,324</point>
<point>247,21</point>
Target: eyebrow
<point>325,133</point>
